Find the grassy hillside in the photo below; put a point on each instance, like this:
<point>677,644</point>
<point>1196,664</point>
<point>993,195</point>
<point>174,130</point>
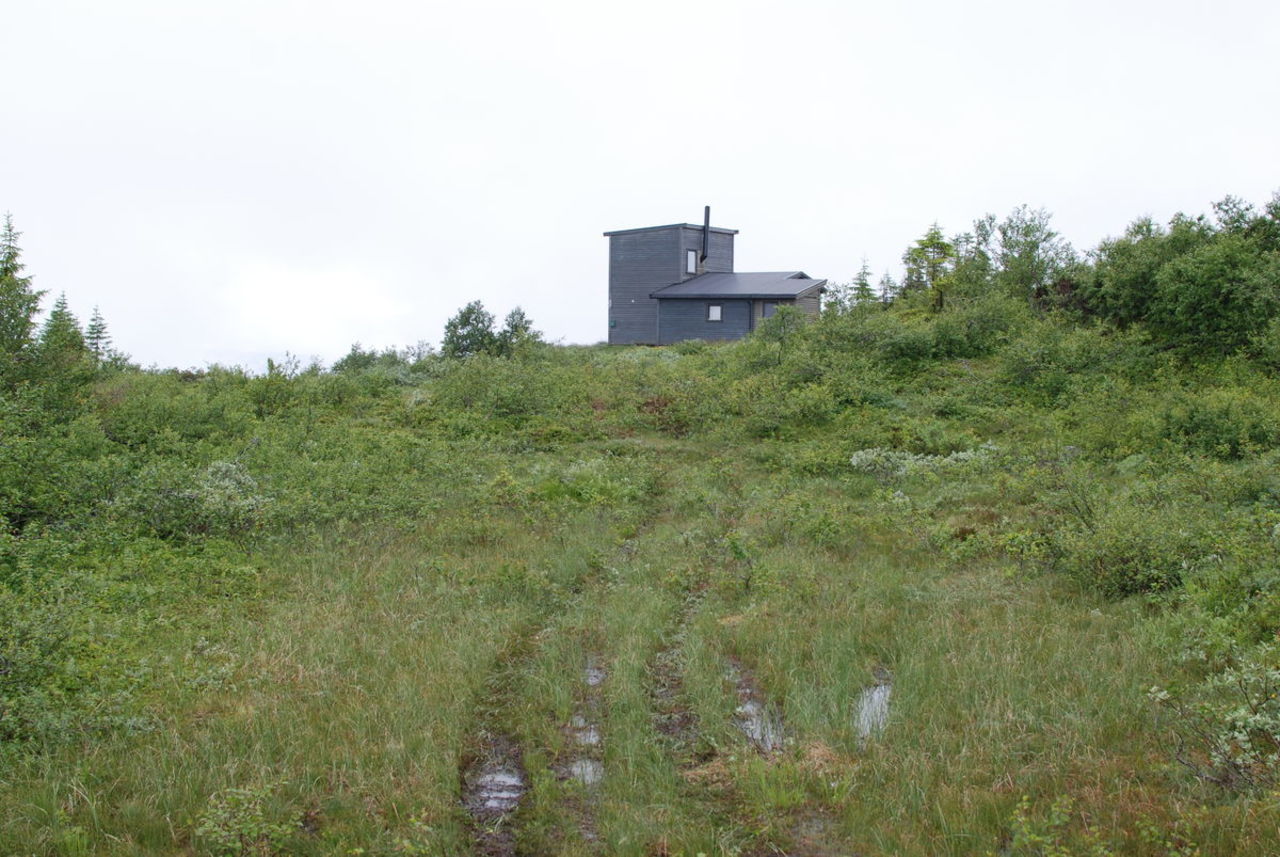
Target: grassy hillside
<point>668,591</point>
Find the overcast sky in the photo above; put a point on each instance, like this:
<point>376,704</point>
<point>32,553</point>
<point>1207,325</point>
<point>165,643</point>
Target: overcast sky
<point>232,180</point>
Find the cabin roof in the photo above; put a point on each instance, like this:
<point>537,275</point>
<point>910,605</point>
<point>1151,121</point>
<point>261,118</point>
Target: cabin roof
<point>697,226</point>
<point>767,284</point>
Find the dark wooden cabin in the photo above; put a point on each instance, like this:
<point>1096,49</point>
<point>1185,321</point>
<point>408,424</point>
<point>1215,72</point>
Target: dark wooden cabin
<point>676,282</point>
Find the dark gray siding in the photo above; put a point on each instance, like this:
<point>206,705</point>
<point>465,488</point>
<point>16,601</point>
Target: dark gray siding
<point>687,319</point>
<point>719,253</point>
<point>640,263</point>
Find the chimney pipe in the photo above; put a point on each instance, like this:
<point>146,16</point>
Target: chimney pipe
<point>706,232</point>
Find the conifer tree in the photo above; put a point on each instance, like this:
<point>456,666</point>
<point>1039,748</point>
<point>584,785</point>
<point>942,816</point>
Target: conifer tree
<point>863,292</point>
<point>96,337</point>
<point>18,304</point>
<point>888,289</point>
<point>61,343</point>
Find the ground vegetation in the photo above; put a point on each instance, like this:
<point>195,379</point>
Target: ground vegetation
<point>989,563</point>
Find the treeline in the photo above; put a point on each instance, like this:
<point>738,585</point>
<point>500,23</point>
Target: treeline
<point>1207,285</point>
<point>57,355</point>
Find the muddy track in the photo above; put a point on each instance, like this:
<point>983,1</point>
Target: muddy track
<point>582,762</point>
<point>493,784</point>
<point>672,718</point>
<point>493,775</point>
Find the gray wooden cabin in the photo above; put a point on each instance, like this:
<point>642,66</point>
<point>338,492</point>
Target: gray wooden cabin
<point>676,282</point>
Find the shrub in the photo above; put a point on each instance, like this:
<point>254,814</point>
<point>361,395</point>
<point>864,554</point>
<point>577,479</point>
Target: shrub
<point>1137,540</point>
<point>241,822</point>
<point>1227,423</point>
<point>1230,729</point>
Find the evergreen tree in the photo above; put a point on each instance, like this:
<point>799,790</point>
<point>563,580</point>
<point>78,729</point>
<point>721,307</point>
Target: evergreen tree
<point>61,344</point>
<point>973,271</point>
<point>863,293</point>
<point>18,304</point>
<point>888,289</point>
<point>96,337</point>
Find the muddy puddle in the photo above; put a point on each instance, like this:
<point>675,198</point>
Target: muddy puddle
<point>755,716</point>
<point>594,674</point>
<point>871,711</point>
<point>584,733</point>
<point>492,789</point>
<point>584,730</point>
<point>589,772</point>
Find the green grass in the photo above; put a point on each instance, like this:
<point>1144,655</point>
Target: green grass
<point>425,577</point>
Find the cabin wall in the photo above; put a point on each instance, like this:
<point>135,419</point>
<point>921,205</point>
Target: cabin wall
<point>683,319</point>
<point>810,304</point>
<point>719,251</point>
<point>642,262</point>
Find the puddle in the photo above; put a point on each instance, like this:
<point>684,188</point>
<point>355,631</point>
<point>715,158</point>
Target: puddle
<point>761,723</point>
<point>756,718</point>
<point>872,711</point>
<point>584,733</point>
<point>594,674</point>
<point>589,772</point>
<point>494,787</point>
<point>499,791</point>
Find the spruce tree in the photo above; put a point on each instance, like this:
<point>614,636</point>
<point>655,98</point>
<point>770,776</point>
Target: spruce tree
<point>62,343</point>
<point>863,292</point>
<point>96,337</point>
<point>18,305</point>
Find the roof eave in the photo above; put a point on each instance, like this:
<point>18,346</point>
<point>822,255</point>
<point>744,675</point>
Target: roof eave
<point>698,226</point>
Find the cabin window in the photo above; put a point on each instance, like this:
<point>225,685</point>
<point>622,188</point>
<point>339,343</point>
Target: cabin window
<point>691,261</point>
<point>768,308</point>
<point>713,312</point>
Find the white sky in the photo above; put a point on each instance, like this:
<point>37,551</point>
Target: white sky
<point>232,180</point>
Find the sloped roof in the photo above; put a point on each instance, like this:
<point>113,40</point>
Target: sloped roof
<point>768,284</point>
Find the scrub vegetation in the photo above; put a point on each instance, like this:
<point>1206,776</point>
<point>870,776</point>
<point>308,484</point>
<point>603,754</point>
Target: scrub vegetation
<point>1031,497</point>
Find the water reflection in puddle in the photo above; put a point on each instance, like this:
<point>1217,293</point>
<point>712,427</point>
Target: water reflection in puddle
<point>760,723</point>
<point>754,717</point>
<point>498,791</point>
<point>584,733</point>
<point>872,710</point>
<point>589,772</point>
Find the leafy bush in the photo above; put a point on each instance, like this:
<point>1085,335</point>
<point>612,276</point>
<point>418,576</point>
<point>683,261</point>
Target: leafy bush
<point>34,649</point>
<point>1230,729</point>
<point>1224,423</point>
<point>244,822</point>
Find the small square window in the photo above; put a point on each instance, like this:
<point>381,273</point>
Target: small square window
<point>713,312</point>
<point>769,308</point>
<point>691,262</point>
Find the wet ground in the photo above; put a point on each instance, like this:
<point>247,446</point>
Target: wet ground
<point>871,712</point>
<point>492,789</point>
<point>756,717</point>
